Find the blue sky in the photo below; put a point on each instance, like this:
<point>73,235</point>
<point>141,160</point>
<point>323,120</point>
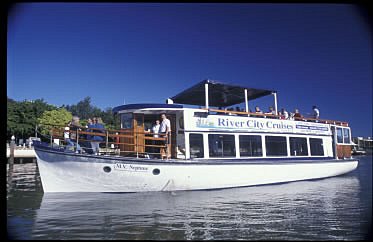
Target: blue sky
<point>311,54</point>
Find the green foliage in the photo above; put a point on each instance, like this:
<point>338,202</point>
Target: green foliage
<point>23,116</point>
<point>85,110</point>
<point>58,117</point>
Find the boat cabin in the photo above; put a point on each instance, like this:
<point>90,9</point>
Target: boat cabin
<point>208,130</point>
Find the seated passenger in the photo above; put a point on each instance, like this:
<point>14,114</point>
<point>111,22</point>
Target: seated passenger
<point>284,114</point>
<point>257,110</point>
<point>70,134</point>
<point>297,115</point>
<point>271,111</point>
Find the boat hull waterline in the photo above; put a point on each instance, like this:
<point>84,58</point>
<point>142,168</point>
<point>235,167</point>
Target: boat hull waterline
<point>61,172</point>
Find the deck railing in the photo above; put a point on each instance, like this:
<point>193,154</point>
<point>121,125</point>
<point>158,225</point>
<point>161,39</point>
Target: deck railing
<point>267,115</point>
<point>116,142</point>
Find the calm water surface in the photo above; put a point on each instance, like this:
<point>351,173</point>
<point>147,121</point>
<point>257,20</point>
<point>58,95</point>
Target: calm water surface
<point>338,208</point>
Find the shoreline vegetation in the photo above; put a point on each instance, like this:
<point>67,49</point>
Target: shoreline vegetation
<point>24,117</point>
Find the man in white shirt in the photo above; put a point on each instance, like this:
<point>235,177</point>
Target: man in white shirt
<point>165,128</point>
<point>316,112</point>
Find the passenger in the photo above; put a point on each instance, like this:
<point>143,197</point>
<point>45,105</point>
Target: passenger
<point>98,128</point>
<point>165,128</point>
<point>316,112</point>
<point>90,125</point>
<point>297,115</point>
<point>230,113</point>
<point>284,114</point>
<point>73,127</point>
<point>271,111</point>
<point>66,135</point>
<point>257,110</point>
<point>155,130</point>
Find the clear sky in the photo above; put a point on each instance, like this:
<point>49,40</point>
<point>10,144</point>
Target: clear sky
<point>116,53</point>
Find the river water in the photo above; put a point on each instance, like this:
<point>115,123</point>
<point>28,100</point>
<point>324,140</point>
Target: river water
<point>337,208</point>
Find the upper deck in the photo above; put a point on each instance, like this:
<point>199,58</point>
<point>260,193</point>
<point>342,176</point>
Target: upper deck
<point>208,94</point>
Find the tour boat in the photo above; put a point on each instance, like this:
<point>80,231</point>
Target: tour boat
<point>211,146</point>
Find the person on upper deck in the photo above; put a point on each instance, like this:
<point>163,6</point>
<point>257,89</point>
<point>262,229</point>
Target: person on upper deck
<point>257,110</point>
<point>297,115</point>
<point>316,112</point>
<point>284,114</point>
<point>271,111</point>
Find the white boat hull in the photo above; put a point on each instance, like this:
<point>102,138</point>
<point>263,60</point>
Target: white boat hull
<point>79,173</point>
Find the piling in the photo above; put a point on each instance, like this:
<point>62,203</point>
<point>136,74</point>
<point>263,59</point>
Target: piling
<point>11,161</point>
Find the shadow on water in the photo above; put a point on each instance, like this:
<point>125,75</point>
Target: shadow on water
<point>326,209</point>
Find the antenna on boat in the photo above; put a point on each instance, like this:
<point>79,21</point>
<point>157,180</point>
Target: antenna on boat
<point>124,101</point>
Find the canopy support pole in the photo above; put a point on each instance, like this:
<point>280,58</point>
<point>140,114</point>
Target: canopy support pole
<point>246,102</point>
<point>275,97</point>
<point>207,95</point>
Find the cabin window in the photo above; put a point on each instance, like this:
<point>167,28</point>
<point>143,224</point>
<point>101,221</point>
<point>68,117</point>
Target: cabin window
<point>221,145</point>
<point>196,145</point>
<point>339,135</point>
<point>250,145</point>
<point>298,146</point>
<point>346,136</point>
<point>126,120</point>
<point>316,146</point>
<point>276,146</point>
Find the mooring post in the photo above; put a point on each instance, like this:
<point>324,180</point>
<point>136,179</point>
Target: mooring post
<point>11,162</point>
<point>11,155</point>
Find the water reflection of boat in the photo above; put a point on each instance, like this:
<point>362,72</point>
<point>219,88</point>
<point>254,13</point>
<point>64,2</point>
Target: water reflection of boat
<point>316,206</point>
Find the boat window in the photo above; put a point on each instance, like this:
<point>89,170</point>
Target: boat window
<point>250,145</point>
<point>276,146</point>
<point>339,135</point>
<point>196,145</point>
<point>298,146</point>
<point>221,145</point>
<point>316,146</point>
<point>126,120</point>
<point>346,136</point>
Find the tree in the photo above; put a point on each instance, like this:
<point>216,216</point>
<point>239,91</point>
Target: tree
<point>58,117</point>
<point>22,116</point>
<point>111,121</point>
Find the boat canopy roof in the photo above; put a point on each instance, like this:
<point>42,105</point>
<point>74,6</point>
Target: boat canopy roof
<point>220,94</point>
<point>145,105</point>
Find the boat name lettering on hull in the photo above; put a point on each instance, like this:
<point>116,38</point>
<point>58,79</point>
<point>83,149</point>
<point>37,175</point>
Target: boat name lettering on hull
<point>127,167</point>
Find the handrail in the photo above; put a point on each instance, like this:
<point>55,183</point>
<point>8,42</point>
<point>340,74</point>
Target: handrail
<point>268,115</point>
<point>113,138</point>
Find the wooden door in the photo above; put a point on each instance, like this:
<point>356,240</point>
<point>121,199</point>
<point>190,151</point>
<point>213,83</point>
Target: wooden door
<point>138,126</point>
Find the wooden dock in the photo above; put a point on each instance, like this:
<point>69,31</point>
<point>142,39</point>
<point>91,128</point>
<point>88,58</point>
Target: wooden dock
<point>21,154</point>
